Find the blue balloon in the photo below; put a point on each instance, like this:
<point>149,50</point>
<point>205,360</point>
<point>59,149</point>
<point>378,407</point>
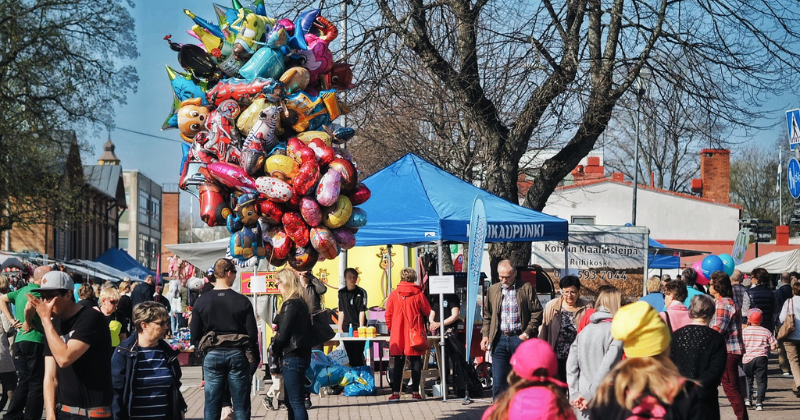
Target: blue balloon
<point>711,264</point>
<point>727,263</point>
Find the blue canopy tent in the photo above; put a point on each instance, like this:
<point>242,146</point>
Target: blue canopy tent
<point>414,201</point>
<point>664,257</point>
<point>122,261</point>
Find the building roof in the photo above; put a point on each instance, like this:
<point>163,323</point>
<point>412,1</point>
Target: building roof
<point>592,182</point>
<point>107,179</point>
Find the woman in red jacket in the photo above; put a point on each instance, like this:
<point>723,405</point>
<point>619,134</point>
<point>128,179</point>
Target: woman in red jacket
<point>406,309</point>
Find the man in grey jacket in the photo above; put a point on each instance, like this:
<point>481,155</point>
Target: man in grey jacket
<point>511,314</point>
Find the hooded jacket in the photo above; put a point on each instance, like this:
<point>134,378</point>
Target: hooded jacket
<point>123,365</point>
<point>592,355</point>
<point>405,307</point>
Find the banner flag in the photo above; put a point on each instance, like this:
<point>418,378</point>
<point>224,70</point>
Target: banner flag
<point>477,238</point>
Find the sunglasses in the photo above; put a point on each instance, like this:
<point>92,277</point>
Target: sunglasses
<point>161,323</point>
<point>113,302</point>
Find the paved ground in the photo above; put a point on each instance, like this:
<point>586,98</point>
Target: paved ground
<point>780,404</point>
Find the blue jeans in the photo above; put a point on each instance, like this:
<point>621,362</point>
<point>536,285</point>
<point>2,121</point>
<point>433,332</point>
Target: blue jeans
<point>175,322</point>
<point>227,368</point>
<point>294,381</point>
<point>501,358</point>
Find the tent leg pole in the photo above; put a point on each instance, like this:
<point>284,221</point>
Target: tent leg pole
<point>443,366</point>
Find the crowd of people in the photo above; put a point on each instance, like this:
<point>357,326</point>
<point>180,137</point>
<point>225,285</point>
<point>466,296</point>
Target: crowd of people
<point>663,356</point>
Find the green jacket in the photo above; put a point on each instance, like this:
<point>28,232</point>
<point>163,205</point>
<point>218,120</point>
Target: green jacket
<point>530,310</point>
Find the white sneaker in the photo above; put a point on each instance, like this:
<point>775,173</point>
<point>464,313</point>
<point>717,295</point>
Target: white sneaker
<point>747,403</point>
<point>759,407</point>
<point>787,374</point>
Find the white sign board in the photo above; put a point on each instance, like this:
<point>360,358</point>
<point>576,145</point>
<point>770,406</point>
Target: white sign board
<point>442,285</point>
<point>793,124</point>
<point>258,284</point>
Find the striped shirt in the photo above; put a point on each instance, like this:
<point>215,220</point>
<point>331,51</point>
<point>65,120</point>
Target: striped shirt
<point>727,321</point>
<point>151,385</point>
<point>757,342</point>
<point>509,310</point>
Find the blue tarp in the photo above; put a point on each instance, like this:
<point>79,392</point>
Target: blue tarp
<point>658,260</point>
<point>413,201</point>
<point>122,261</point>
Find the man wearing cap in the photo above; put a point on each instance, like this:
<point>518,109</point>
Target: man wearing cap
<point>511,314</point>
<point>77,378</point>
<point>26,402</point>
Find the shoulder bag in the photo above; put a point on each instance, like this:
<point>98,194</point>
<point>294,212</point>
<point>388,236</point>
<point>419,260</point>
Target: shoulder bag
<point>417,339</point>
<point>788,325</point>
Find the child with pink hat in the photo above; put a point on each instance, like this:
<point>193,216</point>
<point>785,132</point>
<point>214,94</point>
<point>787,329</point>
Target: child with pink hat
<point>533,392</point>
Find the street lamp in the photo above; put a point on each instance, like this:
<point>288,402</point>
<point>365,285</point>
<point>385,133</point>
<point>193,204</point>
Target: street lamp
<point>640,91</point>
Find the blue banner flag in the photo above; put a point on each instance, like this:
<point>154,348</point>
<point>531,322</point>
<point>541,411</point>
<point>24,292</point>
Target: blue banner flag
<point>477,238</point>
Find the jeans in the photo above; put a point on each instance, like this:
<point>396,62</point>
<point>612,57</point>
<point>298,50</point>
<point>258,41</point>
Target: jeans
<point>501,359</point>
<point>28,397</point>
<point>9,381</point>
<point>398,365</point>
<point>175,322</point>
<point>730,384</point>
<point>294,381</point>
<point>227,368</point>
<point>756,369</point>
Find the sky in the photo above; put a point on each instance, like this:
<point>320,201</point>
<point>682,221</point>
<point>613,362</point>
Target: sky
<point>157,154</point>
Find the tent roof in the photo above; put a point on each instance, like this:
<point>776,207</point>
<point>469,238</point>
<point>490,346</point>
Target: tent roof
<point>413,201</point>
<point>774,262</point>
<point>662,256</point>
<point>122,261</point>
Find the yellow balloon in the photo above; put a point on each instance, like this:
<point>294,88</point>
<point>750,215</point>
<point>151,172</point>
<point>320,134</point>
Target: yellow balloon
<point>307,136</point>
<point>250,115</point>
<point>337,215</point>
<point>282,167</point>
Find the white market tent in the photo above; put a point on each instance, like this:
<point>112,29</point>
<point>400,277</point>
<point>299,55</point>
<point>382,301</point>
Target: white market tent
<point>774,262</point>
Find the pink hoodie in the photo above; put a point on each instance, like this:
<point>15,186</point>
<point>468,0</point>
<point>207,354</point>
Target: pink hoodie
<point>678,315</point>
<point>534,403</point>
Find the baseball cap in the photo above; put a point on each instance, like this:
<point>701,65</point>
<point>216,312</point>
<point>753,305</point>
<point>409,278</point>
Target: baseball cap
<point>755,316</point>
<point>56,280</point>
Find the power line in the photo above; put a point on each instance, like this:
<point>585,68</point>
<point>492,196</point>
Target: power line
<point>148,135</point>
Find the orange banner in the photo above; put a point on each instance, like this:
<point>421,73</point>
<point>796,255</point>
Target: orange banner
<point>272,288</point>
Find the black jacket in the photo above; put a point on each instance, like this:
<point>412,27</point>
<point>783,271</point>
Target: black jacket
<point>142,293</point>
<point>123,365</point>
<point>764,299</point>
<point>781,295</point>
<point>294,328</point>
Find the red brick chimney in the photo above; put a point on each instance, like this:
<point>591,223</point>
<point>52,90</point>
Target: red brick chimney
<point>715,175</point>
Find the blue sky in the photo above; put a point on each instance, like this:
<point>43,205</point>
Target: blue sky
<point>159,157</point>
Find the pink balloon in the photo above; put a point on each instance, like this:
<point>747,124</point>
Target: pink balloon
<point>701,279</point>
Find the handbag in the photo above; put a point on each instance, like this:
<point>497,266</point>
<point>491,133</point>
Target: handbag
<point>321,331</point>
<point>415,337</point>
<point>788,325</point>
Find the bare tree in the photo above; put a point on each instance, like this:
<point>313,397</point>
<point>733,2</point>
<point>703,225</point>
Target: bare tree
<point>517,75</point>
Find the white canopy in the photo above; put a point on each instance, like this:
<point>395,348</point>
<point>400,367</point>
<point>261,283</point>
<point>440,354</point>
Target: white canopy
<point>774,262</point>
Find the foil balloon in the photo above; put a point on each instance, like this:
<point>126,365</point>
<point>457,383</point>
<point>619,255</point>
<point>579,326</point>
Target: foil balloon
<point>348,172</point>
<point>360,194</point>
<point>323,152</point>
<point>302,25</point>
<point>248,118</point>
<point>250,27</point>
<point>310,210</point>
<point>298,151</point>
<point>245,91</point>
<point>357,219</point>
<point>247,239</point>
<point>323,241</point>
<point>214,211</point>
<point>229,175</point>
<point>268,60</point>
<point>208,26</point>
<point>302,258</point>
<point>195,60</point>
<point>338,214</point>
<point>295,228</point>
<point>307,136</point>
<point>344,238</point>
<point>317,57</point>
<point>271,212</point>
<point>328,188</point>
<point>296,79</point>
<point>282,167</point>
<point>262,136</point>
<point>306,178</point>
<point>701,278</point>
<point>313,112</point>
<point>281,244</point>
<point>277,190</point>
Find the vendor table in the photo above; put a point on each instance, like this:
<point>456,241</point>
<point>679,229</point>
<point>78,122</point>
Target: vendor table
<point>332,343</point>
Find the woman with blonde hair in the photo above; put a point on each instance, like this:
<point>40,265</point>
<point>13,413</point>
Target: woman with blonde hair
<point>117,322</point>
<point>8,373</point>
<point>594,352</point>
<point>646,384</point>
<point>292,341</point>
<point>406,310</point>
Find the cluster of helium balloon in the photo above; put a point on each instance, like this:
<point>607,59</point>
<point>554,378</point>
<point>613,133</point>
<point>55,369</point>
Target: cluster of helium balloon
<point>712,263</point>
<point>256,106</point>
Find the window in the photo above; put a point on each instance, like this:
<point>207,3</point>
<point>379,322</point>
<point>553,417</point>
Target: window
<point>155,213</point>
<point>123,243</point>
<point>144,203</point>
<point>582,220</point>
